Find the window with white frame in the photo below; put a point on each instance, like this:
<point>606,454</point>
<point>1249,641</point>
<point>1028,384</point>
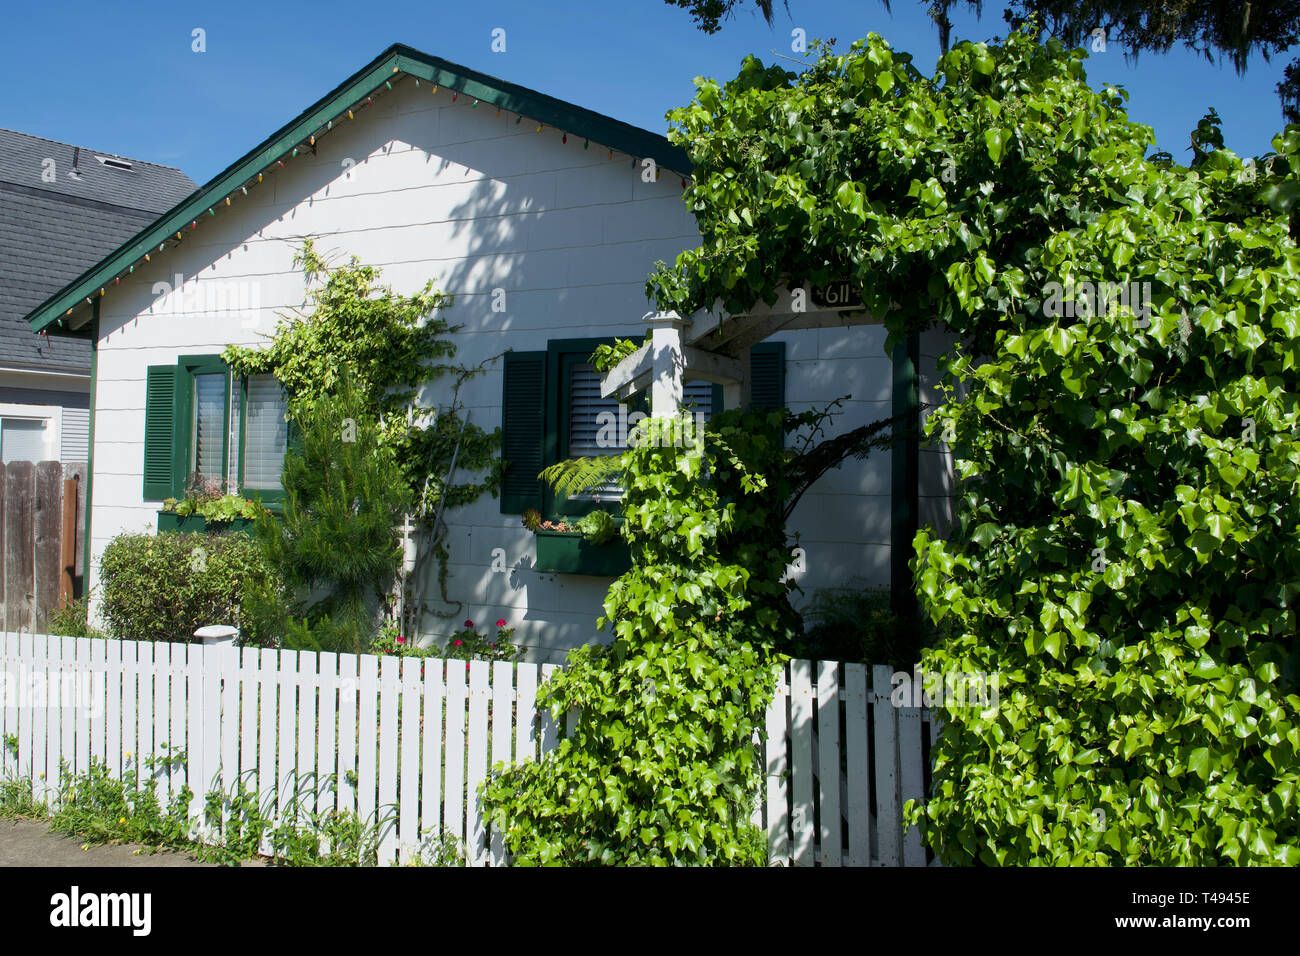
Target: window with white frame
<point>30,432</point>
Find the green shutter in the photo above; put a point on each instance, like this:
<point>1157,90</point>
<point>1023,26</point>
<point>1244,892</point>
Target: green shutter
<point>523,401</point>
<point>767,375</point>
<point>159,432</point>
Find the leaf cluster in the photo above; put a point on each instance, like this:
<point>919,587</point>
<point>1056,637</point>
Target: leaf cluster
<point>661,767</point>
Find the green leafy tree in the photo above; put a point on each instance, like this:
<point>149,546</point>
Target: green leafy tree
<point>1125,555</point>
<point>1228,29</point>
<point>344,499</point>
<point>709,14</point>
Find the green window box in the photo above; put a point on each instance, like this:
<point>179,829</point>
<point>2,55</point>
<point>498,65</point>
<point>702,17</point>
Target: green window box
<point>566,552</point>
<point>170,521</point>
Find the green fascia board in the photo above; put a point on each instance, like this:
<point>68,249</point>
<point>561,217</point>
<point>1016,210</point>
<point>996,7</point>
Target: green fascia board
<point>398,58</point>
<point>578,122</point>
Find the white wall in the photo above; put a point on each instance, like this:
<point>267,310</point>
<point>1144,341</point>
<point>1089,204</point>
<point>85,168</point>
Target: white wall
<point>476,202</point>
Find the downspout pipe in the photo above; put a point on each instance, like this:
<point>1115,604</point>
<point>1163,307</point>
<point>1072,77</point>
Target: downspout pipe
<point>904,477</point>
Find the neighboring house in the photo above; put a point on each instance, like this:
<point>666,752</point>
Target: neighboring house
<point>500,194</point>
<point>62,209</point>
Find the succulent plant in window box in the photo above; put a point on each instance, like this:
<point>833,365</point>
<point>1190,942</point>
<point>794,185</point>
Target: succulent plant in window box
<point>597,527</point>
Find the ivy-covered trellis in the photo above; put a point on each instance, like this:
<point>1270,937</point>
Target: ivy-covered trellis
<point>1127,547</point>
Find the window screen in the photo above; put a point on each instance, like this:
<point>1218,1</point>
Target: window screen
<point>590,418</point>
<point>595,426</point>
<point>698,397</point>
<point>209,424</point>
<point>266,434</point>
<point>22,439</point>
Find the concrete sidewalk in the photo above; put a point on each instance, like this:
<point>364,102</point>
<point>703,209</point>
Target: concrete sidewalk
<point>30,843</point>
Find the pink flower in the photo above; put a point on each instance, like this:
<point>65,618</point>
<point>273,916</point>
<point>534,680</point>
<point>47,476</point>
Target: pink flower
<point>501,622</point>
<point>469,623</point>
<point>401,640</point>
<point>457,643</point>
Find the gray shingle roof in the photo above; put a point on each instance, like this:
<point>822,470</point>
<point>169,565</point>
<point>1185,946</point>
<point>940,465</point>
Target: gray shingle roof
<point>51,232</point>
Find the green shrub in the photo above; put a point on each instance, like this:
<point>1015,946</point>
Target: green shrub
<point>661,767</point>
<point>1124,551</point>
<point>163,587</point>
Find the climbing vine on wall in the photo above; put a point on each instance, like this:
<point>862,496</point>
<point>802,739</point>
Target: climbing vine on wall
<point>393,346</point>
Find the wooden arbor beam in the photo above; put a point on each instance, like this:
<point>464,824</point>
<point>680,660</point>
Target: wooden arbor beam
<point>714,347</point>
<point>716,331</point>
<point>666,362</point>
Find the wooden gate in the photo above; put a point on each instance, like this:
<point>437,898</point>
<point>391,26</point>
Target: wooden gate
<point>42,506</point>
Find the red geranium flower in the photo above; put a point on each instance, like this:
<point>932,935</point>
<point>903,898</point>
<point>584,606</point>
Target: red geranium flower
<point>469,623</point>
<point>501,622</point>
<point>457,642</point>
<point>401,640</point>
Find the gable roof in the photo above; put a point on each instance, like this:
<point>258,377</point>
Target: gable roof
<point>53,226</point>
<point>69,308</point>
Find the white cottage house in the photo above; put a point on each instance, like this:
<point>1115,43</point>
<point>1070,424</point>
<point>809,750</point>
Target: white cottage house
<point>427,169</point>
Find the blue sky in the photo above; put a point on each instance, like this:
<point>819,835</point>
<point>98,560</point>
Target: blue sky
<point>121,76</point>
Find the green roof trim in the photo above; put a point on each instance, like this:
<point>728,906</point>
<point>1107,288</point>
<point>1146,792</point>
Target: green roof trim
<point>398,58</point>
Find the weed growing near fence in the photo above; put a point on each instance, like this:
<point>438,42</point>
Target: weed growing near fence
<point>17,802</point>
<point>72,619</point>
<point>102,808</point>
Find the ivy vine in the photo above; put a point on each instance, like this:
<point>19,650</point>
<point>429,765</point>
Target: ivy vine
<point>392,346</point>
<point>1125,554</point>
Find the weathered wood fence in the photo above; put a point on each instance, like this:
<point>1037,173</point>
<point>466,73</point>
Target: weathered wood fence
<point>408,741</point>
<point>42,505</point>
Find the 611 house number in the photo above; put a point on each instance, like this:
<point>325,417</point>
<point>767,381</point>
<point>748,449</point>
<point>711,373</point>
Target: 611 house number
<point>835,295</point>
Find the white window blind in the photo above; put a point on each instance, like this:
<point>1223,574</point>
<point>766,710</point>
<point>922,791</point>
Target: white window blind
<point>22,439</point>
<point>698,397</point>
<point>589,434</point>
<point>266,434</point>
<point>209,424</point>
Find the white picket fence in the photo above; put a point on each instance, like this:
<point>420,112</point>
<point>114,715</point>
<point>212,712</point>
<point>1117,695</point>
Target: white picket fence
<point>408,741</point>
